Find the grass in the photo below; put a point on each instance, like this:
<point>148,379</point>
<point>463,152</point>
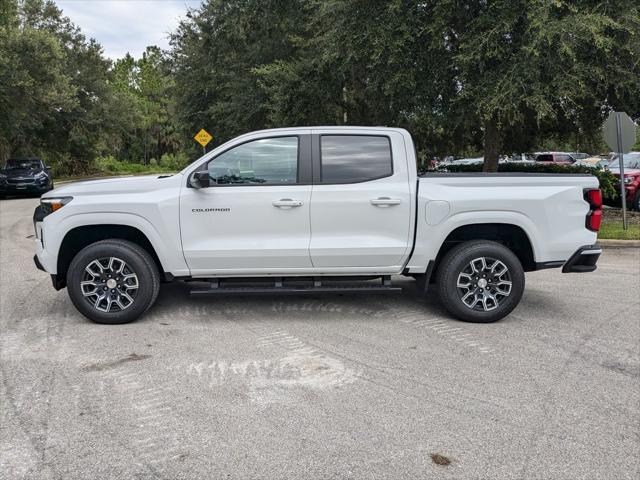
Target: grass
<point>613,230</point>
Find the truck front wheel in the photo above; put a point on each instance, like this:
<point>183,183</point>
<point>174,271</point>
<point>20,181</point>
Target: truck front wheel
<point>113,281</point>
<point>480,281</point>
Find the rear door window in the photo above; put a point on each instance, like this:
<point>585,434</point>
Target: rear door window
<point>354,158</point>
<point>545,157</point>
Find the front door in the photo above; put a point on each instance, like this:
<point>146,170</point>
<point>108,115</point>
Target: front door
<point>254,217</point>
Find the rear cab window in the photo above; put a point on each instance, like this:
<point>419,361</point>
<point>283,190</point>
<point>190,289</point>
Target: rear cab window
<point>354,158</point>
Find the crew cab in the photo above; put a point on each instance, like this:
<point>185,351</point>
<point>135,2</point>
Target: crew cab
<point>314,210</point>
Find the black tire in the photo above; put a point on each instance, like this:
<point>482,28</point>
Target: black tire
<point>636,202</point>
<point>137,262</point>
<point>490,303</point>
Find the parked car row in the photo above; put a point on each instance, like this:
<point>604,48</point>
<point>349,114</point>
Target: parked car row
<point>571,158</point>
<point>610,162</point>
<point>25,177</point>
<point>557,158</point>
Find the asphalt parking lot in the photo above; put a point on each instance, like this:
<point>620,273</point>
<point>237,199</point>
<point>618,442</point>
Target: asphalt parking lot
<point>346,386</point>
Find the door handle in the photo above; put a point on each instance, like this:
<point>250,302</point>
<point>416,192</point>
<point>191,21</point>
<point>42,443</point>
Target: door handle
<point>287,203</point>
<point>385,201</point>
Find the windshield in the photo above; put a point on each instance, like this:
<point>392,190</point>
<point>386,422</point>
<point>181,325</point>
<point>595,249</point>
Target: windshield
<point>26,164</point>
<point>631,160</point>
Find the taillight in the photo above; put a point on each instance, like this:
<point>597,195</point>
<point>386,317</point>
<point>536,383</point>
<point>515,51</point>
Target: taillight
<point>594,197</point>
<point>594,217</point>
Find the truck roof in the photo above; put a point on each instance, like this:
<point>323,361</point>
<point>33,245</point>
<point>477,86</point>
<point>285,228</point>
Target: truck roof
<point>332,127</point>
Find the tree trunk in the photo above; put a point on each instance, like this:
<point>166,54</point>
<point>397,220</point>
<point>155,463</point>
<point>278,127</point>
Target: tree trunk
<point>492,145</point>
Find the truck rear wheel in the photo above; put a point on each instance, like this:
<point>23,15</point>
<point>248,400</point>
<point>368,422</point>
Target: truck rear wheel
<point>113,281</point>
<point>480,281</point>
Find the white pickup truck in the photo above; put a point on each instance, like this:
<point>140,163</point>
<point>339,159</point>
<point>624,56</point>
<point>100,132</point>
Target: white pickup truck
<point>314,210</point>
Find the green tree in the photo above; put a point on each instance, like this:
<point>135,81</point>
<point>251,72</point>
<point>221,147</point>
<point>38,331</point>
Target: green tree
<point>215,51</point>
<point>54,90</point>
<point>34,85</point>
<point>146,86</point>
<point>545,65</point>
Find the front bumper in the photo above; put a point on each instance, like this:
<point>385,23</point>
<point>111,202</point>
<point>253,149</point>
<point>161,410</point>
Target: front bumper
<point>24,189</point>
<point>583,260</point>
<point>58,283</point>
<point>39,266</point>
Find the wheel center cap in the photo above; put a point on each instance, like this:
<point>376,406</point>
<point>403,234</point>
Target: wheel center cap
<point>481,283</point>
<point>111,283</point>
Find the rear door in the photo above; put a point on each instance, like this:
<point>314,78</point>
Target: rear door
<point>361,202</point>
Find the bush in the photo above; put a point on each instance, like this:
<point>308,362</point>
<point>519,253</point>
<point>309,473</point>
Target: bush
<point>174,162</point>
<point>605,177</point>
<point>112,166</point>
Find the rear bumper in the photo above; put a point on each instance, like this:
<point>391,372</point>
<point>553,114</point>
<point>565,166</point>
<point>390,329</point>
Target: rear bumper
<point>583,260</point>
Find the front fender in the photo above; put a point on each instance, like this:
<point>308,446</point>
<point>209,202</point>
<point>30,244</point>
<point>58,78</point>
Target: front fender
<point>166,245</point>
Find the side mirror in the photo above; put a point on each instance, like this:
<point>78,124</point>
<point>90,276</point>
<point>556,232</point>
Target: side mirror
<point>201,179</point>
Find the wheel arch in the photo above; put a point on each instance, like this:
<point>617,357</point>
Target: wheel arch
<point>512,236</point>
<point>82,236</point>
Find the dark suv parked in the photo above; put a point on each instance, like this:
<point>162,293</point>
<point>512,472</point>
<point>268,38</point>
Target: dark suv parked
<point>25,176</point>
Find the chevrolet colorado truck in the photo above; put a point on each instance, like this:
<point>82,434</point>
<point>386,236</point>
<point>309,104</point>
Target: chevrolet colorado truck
<point>314,210</point>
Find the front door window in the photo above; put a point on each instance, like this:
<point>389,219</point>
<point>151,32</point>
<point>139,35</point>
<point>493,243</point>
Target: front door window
<point>268,161</point>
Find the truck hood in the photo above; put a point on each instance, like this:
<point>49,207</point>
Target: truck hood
<point>134,184</point>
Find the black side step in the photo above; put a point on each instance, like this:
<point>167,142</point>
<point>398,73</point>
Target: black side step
<point>217,287</point>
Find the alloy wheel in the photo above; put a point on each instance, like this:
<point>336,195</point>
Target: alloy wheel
<point>109,284</point>
<point>484,284</point>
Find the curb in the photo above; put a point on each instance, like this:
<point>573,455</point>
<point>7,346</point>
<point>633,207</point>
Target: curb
<point>604,243</point>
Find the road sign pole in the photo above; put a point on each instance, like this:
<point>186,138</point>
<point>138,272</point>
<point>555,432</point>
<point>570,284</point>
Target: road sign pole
<point>623,193</point>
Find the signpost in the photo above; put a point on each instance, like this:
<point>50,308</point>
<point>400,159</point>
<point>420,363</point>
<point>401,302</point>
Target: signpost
<point>620,134</point>
<point>203,138</point>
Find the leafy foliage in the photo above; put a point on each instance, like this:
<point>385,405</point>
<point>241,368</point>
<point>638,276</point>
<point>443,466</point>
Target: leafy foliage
<point>491,76</point>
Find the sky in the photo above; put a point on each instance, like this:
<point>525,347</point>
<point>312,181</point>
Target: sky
<point>122,26</point>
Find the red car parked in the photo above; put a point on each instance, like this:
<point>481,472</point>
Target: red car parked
<point>631,177</point>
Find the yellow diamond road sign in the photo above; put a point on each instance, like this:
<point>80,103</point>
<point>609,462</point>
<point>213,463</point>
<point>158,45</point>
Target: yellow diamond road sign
<point>203,137</point>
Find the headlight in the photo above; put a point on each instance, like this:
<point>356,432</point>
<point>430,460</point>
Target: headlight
<point>53,204</point>
<point>40,175</point>
<point>629,179</point>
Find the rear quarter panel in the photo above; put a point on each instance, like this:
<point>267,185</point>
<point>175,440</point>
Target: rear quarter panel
<point>549,208</point>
